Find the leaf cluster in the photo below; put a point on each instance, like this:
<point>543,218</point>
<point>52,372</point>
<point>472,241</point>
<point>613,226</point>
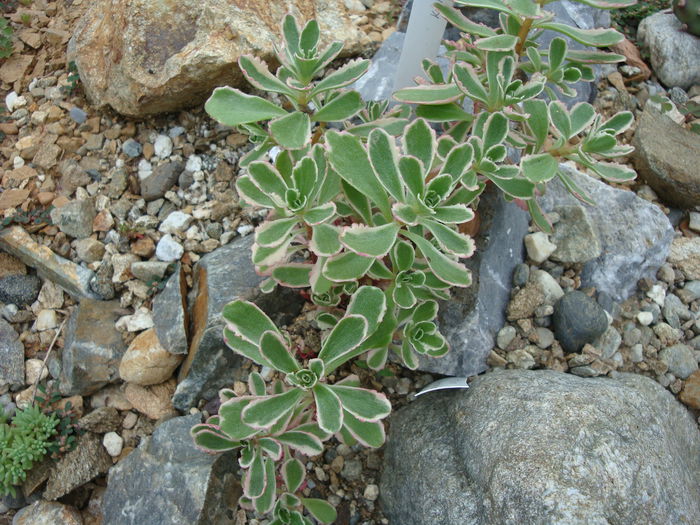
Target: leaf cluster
<point>6,32</point>
<point>366,214</point>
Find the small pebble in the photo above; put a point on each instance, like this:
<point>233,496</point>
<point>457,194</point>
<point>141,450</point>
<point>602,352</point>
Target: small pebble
<point>113,443</point>
<point>645,318</point>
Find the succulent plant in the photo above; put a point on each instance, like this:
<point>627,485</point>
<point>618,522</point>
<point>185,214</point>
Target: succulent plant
<point>688,12</point>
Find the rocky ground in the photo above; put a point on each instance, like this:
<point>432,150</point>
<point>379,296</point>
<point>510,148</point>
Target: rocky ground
<point>99,206</point>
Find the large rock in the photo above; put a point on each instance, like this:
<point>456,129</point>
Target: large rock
<point>666,157</point>
<point>543,447</point>
<point>149,56</point>
<point>220,277</point>
<point>635,236</point>
<point>578,319</point>
<point>146,362</point>
<point>167,481</point>
<point>675,54</point>
<point>72,278</point>
<point>93,348</point>
<point>473,315</point>
<point>11,356</point>
<point>47,513</point>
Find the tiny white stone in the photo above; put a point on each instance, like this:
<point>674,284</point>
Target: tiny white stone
<point>17,162</point>
<point>194,163</point>
<point>140,320</point>
<point>34,370</point>
<point>113,443</point>
<point>371,492</point>
<point>244,229</point>
<point>45,320</point>
<point>539,247</point>
<point>145,168</point>
<point>176,222</point>
<point>168,249</point>
<point>14,101</point>
<point>645,318</point>
<point>163,146</point>
<point>657,294</point>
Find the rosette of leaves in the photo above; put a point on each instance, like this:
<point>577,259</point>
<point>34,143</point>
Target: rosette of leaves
<point>501,73</point>
<point>311,103</point>
<point>299,414</point>
<point>23,442</point>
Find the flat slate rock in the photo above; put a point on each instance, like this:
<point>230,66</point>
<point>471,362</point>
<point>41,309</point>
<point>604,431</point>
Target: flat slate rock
<point>11,356</point>
<point>167,481</point>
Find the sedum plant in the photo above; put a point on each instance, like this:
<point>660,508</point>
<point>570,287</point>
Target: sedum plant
<point>366,209</point>
<point>23,442</point>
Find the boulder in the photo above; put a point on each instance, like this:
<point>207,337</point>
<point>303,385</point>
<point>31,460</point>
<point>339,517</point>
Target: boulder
<point>146,362</point>
<point>666,158</point>
<point>220,277</point>
<point>143,57</point>
<point>167,481</point>
<point>471,318</point>
<point>675,54</point>
<point>634,235</point>
<point>543,447</point>
<point>93,348</point>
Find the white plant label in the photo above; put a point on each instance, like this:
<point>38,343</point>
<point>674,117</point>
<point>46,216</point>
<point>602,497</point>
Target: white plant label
<point>423,37</point>
<point>448,383</point>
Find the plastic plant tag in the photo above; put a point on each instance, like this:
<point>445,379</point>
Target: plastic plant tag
<point>423,37</point>
<point>447,383</point>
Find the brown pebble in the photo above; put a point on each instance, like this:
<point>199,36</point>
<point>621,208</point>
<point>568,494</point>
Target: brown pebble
<point>45,197</point>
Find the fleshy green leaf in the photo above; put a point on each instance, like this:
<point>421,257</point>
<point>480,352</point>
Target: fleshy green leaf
<point>539,168</point>
<point>212,440</point>
<point>320,214</point>
<point>247,320</point>
<point>367,405</point>
<point>445,268</point>
<point>419,141</point>
<point>293,474</point>
<point>264,412</point>
<point>347,266</point>
<point>589,37</point>
<point>304,442</point>
<point>383,155</point>
<point>255,477</point>
<point>274,233</point>
<point>232,107</point>
<point>293,131</point>
<point>325,240</point>
<point>369,433</point>
<point>370,241</point>
<point>345,336</point>
<point>258,75</point>
<point>275,350</point>
<point>244,347</point>
<point>350,159</point>
<point>328,409</point>
<point>342,107</point>
<point>497,43</point>
<point>431,95</point>
<point>320,509</point>
<point>346,75</point>
<point>264,503</point>
<point>450,240</point>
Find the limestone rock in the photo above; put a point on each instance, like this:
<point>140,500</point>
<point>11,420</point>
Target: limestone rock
<point>143,57</point>
<point>675,54</point>
<point>48,513</point>
<point>685,253</point>
<point>666,158</point>
<point>634,235</point>
<point>141,486</point>
<point>93,348</point>
<point>75,218</point>
<point>72,278</point>
<point>543,447</point>
<point>574,236</point>
<point>153,401</point>
<point>146,362</point>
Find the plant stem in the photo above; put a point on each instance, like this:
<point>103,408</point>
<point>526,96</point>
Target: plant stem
<point>522,36</point>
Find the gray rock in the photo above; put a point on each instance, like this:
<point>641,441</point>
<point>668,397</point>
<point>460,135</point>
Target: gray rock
<point>170,314</point>
<point>543,447</point>
<point>675,311</point>
<point>680,359</point>
<point>132,148</point>
<point>472,317</point>
<point>93,348</point>
<point>505,336</point>
<point>161,180</point>
<point>521,275</point>
<point>635,235</point>
<point>550,287</point>
<point>101,282</point>
<point>11,356</point>
<point>609,342</point>
<point>19,290</point>
<point>378,82</point>
<point>693,289</point>
<point>75,218</point>
<point>574,236</point>
<point>149,270</point>
<point>118,183</point>
<point>665,157</point>
<point>675,54</point>
<point>220,277</point>
<point>78,115</point>
<point>168,249</point>
<point>578,320</point>
<point>167,481</point>
<point>89,250</point>
<point>84,463</point>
